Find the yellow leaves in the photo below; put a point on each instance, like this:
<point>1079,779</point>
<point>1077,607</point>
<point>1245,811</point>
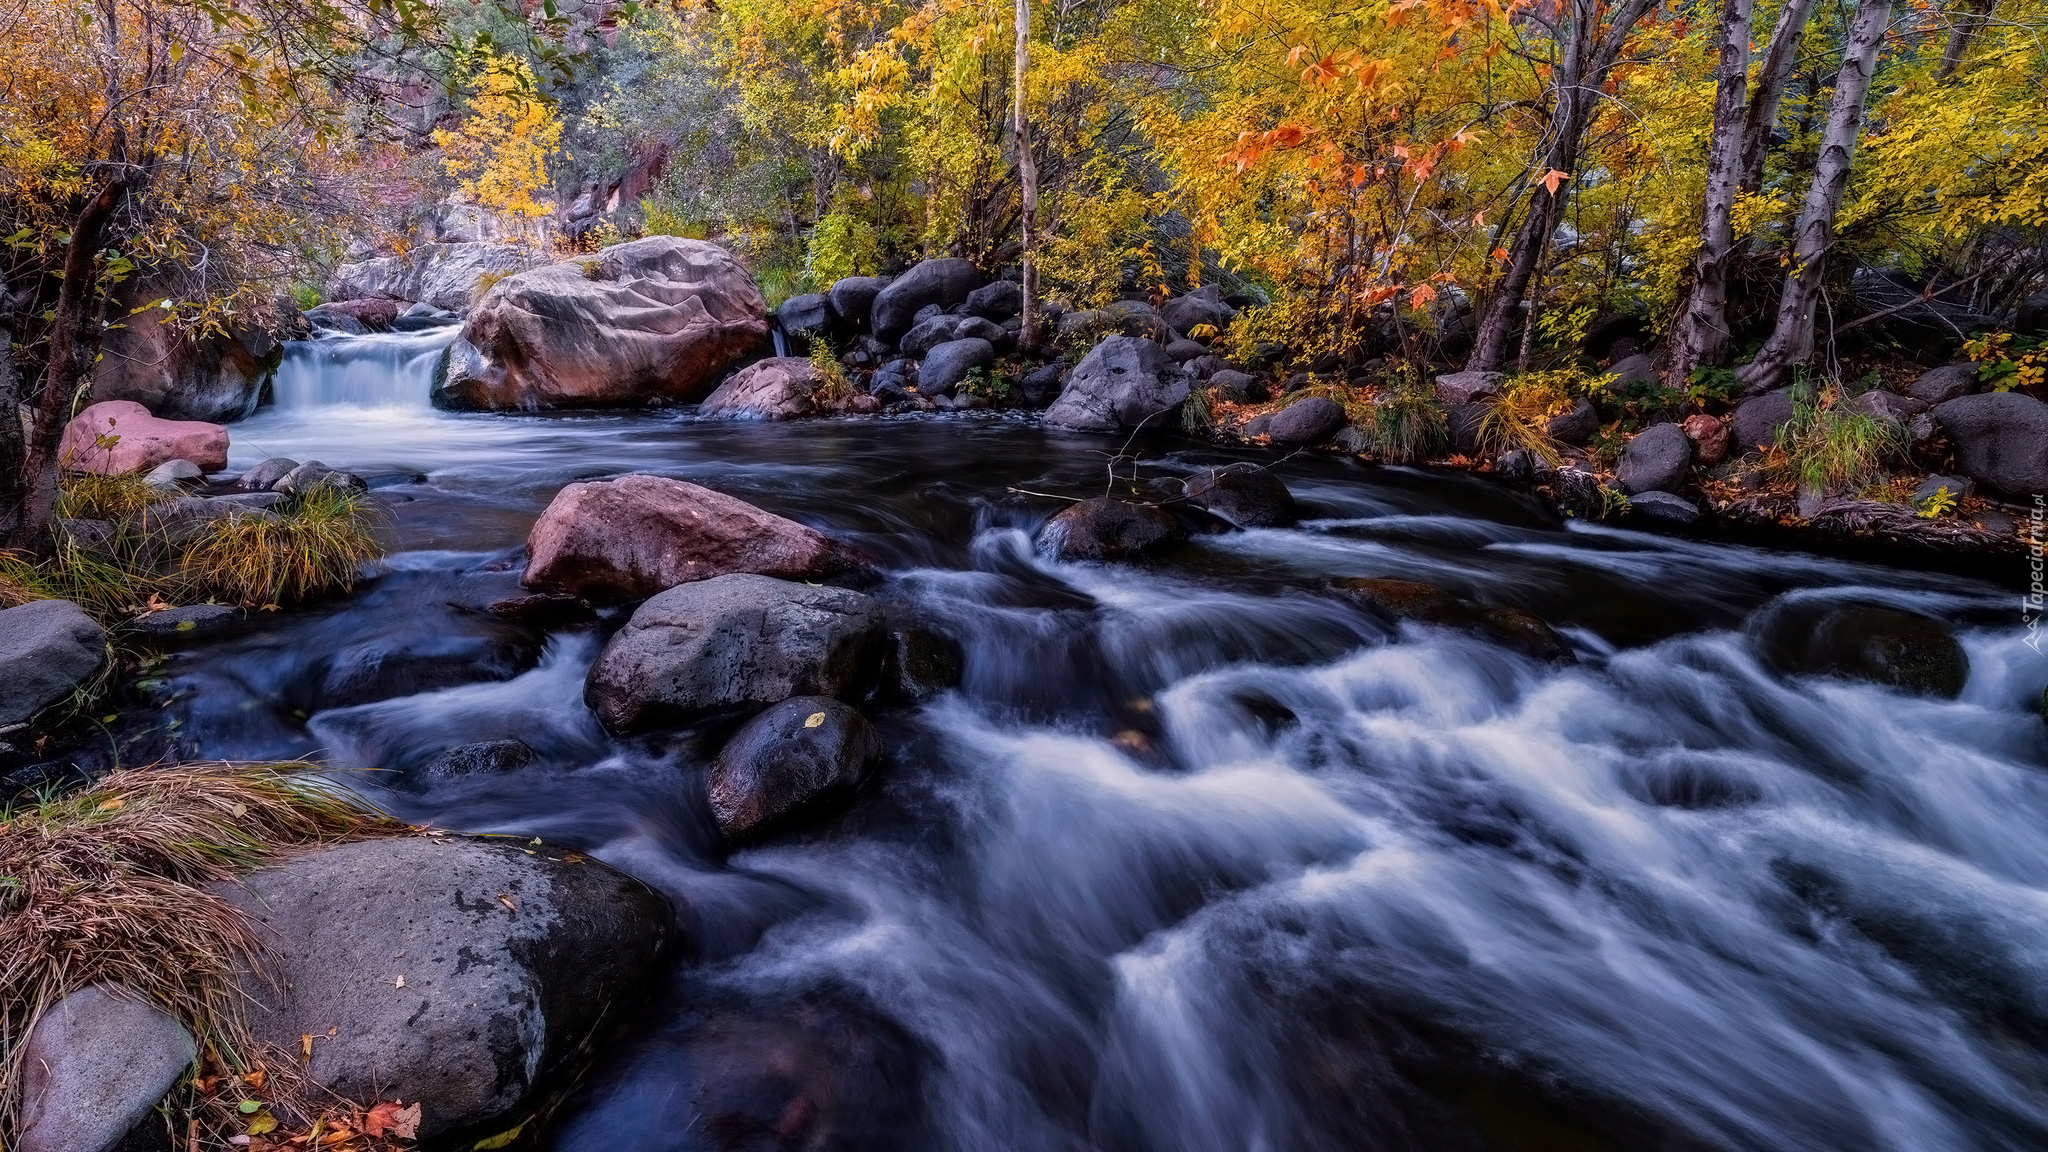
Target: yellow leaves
<point>501,151</point>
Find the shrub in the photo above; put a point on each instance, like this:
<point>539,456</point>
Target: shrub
<point>1520,418</point>
<point>833,386</point>
<point>1408,424</point>
<point>307,296</point>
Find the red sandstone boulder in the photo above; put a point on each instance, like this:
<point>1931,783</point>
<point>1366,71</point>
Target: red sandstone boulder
<point>116,436</point>
<point>655,321</point>
<point>778,388</point>
<point>629,538</point>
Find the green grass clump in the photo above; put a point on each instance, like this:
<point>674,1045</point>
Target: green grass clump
<point>313,548</point>
<point>89,496</point>
<point>1828,449</point>
<point>1408,424</point>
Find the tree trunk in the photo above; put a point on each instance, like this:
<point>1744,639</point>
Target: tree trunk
<point>1027,181</point>
<point>1585,57</point>
<point>74,344</point>
<point>1771,79</point>
<point>1976,13</point>
<point>13,414</point>
<point>1700,333</point>
<point>1791,340</point>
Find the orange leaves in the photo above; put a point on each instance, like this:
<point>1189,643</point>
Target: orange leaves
<point>388,1119</point>
<point>1553,178</point>
<point>1252,145</point>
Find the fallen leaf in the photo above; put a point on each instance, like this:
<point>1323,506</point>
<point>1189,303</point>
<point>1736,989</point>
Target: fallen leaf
<point>507,902</point>
<point>262,1123</point>
<point>306,1045</point>
<point>814,720</point>
<point>389,1118</point>
<point>254,1079</point>
<point>249,1107</point>
<point>110,805</point>
<point>398,983</point>
<point>406,1125</point>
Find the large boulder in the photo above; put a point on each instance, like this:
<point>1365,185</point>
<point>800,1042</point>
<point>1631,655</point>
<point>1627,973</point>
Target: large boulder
<point>949,364</point>
<point>629,538</point>
<point>2001,440</point>
<point>733,644</point>
<point>778,388</point>
<point>116,436</point>
<point>1204,306</point>
<point>1308,421</point>
<point>810,313</point>
<point>997,301</point>
<point>449,276</point>
<point>791,757</point>
<point>1883,645</point>
<point>945,282</point>
<point>853,298</point>
<point>1244,494</point>
<point>1107,529</point>
<point>1125,382</point>
<point>928,334</point>
<point>96,1065</point>
<point>653,321</point>
<point>1757,420</point>
<point>181,376</point>
<point>48,650</point>
<point>1940,385</point>
<point>450,972</point>
<point>1656,460</point>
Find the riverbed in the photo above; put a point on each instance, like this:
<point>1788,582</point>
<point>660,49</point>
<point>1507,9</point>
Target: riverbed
<point>1199,856</point>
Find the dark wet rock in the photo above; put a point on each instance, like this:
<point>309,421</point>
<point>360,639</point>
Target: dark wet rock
<point>96,1065</point>
<point>996,301</point>
<point>1640,368</point>
<point>1948,382</point>
<point>264,477</point>
<point>853,297</point>
<point>513,959</point>
<point>1040,385</point>
<point>1889,646</point>
<point>1244,494</point>
<point>1464,422</point>
<point>926,335</point>
<point>483,758</point>
<point>734,644</point>
<point>1579,493</point>
<point>1757,420</point>
<point>314,476</point>
<point>810,313</point>
<point>1958,489</point>
<point>1309,421</point>
<point>629,538</point>
<point>1468,387</point>
<point>1236,387</point>
<point>922,663</point>
<point>1663,508</point>
<point>1418,602</point>
<point>1887,406</point>
<point>1139,319</point>
<point>2001,441</point>
<point>1125,382</point>
<point>544,609</point>
<point>1107,529</point>
<point>975,328</point>
<point>49,651</point>
<point>398,658</point>
<point>1184,351</point>
<point>191,620</point>
<point>949,364</point>
<point>1656,460</point>
<point>1576,425</point>
<point>1693,781</point>
<point>2032,315</point>
<point>1522,465</point>
<point>793,756</point>
<point>941,283</point>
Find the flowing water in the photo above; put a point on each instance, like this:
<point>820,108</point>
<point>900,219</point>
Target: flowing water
<point>1199,857</point>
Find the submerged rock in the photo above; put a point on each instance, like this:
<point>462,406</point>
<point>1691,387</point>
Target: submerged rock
<point>49,649</point>
<point>732,644</point>
<point>1413,600</point>
<point>1107,529</point>
<point>1244,494</point>
<point>629,538</point>
<point>648,322</point>
<point>791,757</point>
<point>485,757</point>
<point>1889,646</point>
<point>96,1065</point>
<point>452,972</point>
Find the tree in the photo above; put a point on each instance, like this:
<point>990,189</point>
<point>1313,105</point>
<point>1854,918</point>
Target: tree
<point>1027,177</point>
<point>501,151</point>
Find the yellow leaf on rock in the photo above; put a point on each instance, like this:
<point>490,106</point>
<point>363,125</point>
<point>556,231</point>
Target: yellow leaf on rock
<point>814,720</point>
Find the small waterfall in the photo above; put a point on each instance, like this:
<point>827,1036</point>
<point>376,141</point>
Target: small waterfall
<point>384,370</point>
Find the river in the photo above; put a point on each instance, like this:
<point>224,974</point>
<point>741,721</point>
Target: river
<point>1199,858</point>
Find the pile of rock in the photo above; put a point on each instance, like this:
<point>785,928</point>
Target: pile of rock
<point>732,627</point>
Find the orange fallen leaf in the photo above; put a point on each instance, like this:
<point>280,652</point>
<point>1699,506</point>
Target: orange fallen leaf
<point>506,900</point>
<point>306,1045</point>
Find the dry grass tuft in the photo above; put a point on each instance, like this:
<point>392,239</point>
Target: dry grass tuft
<point>316,547</point>
<point>110,885</point>
<point>89,496</point>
